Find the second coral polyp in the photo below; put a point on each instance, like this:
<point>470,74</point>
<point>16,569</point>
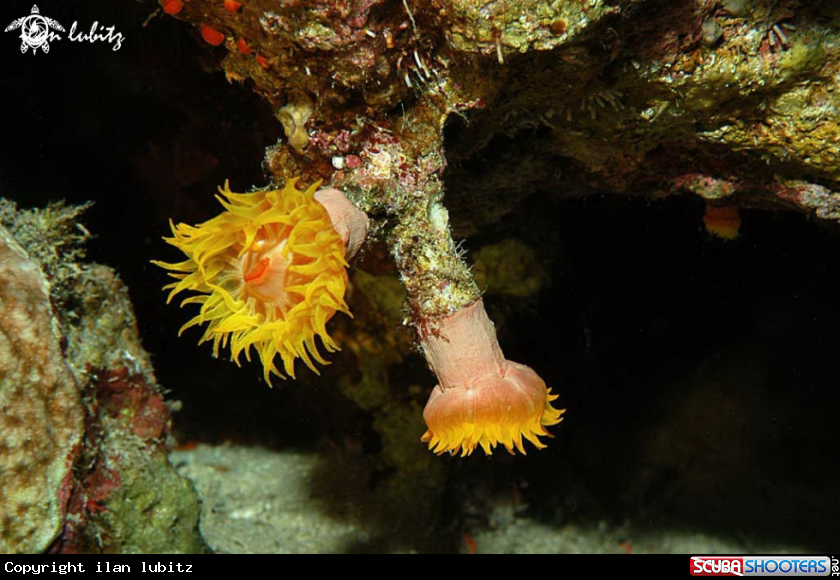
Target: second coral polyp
<point>481,400</point>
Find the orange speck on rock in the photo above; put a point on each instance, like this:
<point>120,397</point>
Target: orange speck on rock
<point>211,35</point>
<point>172,7</point>
<point>243,46</point>
<point>262,61</point>
<point>469,543</point>
<point>232,6</point>
<point>186,445</point>
<point>558,27</point>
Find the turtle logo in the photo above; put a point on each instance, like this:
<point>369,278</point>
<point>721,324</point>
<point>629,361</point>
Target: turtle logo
<point>36,31</point>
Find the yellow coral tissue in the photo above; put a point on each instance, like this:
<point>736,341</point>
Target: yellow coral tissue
<point>268,273</point>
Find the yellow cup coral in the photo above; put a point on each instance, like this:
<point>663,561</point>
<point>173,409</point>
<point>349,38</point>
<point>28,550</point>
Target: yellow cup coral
<point>481,399</point>
<point>269,273</point>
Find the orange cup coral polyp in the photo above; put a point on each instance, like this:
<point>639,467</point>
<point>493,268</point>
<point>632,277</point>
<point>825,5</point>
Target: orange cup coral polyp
<point>269,272</point>
<point>482,399</point>
<point>722,221</point>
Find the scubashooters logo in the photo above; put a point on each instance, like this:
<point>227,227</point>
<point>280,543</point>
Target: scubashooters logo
<point>762,566</point>
<point>37,31</point>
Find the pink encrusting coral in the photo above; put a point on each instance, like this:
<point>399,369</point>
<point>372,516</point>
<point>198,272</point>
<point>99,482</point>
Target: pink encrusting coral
<point>481,399</point>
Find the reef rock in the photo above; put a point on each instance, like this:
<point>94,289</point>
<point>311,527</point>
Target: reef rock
<point>83,423</point>
<point>41,419</point>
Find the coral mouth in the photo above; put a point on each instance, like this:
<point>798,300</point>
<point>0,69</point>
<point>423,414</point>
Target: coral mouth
<point>266,275</point>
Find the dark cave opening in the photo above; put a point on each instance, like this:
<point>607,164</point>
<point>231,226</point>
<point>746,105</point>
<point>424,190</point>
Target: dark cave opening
<point>698,375</point>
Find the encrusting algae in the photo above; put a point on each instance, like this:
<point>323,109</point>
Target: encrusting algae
<point>269,272</point>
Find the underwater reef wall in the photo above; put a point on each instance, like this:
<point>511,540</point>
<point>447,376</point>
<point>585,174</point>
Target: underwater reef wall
<point>83,423</point>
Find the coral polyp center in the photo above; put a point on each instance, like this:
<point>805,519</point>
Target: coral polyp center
<point>265,273</point>
<point>268,273</point>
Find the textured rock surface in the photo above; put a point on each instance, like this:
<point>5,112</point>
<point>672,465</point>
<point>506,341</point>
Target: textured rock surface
<point>83,423</point>
<point>40,409</point>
